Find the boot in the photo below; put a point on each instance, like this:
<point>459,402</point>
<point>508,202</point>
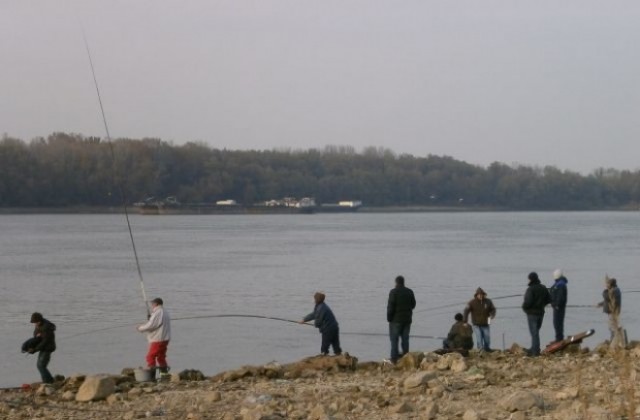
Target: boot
<point>163,374</point>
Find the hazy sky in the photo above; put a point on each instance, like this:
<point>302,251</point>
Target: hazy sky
<point>530,82</point>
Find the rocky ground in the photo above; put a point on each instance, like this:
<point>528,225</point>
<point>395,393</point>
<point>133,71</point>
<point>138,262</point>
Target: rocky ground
<point>577,384</point>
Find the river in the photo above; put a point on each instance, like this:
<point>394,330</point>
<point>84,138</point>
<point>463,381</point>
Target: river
<point>79,271</point>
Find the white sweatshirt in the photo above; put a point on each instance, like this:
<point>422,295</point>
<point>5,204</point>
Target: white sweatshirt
<point>158,327</point>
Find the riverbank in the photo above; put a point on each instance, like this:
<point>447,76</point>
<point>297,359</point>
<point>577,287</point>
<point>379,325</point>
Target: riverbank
<point>577,384</point>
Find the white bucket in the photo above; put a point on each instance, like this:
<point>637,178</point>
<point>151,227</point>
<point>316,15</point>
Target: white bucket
<point>143,375</point>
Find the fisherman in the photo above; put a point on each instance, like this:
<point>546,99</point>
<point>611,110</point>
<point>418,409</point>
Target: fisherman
<point>400,308</point>
<point>460,336</point>
<point>158,330</point>
<point>535,299</point>
<point>326,322</point>
<point>558,302</point>
<point>611,305</point>
<point>45,343</point>
<point>482,312</point>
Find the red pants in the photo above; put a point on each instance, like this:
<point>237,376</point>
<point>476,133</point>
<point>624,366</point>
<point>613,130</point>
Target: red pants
<point>157,351</point>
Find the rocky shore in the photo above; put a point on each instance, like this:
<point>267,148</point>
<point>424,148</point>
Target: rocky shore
<point>576,384</point>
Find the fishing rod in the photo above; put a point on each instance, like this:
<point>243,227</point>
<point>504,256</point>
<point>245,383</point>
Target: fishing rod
<point>433,308</point>
<point>119,185</point>
<point>273,318</point>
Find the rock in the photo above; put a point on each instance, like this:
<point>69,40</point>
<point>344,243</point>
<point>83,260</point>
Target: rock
<point>319,412</point>
<point>458,365</point>
<point>410,361</point>
<point>418,379</point>
<point>470,414</point>
<point>401,408</point>
<point>521,401</point>
<point>431,411</point>
<point>191,375</point>
<point>68,396</point>
<point>96,388</point>
<point>213,396</point>
<point>134,392</point>
<point>518,415</point>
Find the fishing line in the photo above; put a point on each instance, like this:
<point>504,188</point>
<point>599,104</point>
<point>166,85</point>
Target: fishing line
<point>119,184</point>
<point>433,308</point>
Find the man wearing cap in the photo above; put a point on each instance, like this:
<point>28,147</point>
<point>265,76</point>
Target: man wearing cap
<point>45,336</point>
<point>559,302</point>
<point>158,330</point>
<point>535,299</point>
<point>400,308</point>
<point>326,322</point>
<point>482,311</point>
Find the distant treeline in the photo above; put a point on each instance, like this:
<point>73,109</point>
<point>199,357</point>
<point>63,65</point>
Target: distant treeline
<point>72,170</point>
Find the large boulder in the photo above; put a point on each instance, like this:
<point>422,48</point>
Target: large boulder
<point>96,388</point>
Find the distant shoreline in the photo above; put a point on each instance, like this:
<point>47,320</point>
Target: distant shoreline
<point>369,210</point>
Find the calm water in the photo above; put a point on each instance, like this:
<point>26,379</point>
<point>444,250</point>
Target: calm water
<point>79,271</point>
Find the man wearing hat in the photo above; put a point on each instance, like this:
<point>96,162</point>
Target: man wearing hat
<point>535,299</point>
<point>559,302</point>
<point>482,312</point>
<point>44,332</point>
<point>158,330</point>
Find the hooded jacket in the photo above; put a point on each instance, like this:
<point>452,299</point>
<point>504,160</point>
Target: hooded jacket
<point>460,336</point>
<point>535,298</point>
<point>481,309</point>
<point>612,302</point>
<point>45,331</point>
<point>559,293</point>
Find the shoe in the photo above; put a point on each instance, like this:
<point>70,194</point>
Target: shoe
<point>489,350</point>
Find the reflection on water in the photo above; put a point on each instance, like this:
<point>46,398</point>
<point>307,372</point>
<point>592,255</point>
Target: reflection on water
<point>80,272</point>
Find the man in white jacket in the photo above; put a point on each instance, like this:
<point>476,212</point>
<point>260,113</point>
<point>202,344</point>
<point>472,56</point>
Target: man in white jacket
<point>158,330</point>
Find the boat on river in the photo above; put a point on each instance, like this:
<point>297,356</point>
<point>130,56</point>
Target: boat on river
<point>170,205</point>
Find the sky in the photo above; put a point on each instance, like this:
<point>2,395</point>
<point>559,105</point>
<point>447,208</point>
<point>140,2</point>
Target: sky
<point>542,82</point>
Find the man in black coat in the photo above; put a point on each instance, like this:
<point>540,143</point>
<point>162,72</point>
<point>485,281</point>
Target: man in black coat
<point>535,299</point>
<point>45,331</point>
<point>399,312</point>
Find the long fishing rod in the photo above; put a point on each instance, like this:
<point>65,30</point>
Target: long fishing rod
<point>433,308</point>
<point>119,185</point>
<point>113,327</point>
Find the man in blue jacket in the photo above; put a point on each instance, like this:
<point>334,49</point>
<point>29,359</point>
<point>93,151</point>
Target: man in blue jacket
<point>326,322</point>
<point>400,308</point>
<point>559,302</point>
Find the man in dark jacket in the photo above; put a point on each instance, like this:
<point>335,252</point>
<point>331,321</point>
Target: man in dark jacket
<point>399,312</point>
<point>460,336</point>
<point>559,302</point>
<point>482,312</point>
<point>45,330</point>
<point>535,299</point>
<point>326,322</point>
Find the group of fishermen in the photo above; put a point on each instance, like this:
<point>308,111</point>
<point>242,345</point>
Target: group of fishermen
<point>402,301</point>
<point>400,306</point>
<point>157,329</point>
<point>536,298</point>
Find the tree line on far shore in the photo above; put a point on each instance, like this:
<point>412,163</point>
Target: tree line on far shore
<point>65,170</point>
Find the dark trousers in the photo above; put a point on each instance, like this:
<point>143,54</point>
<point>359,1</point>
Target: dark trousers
<point>399,331</point>
<point>331,337</point>
<point>535,323</point>
<point>558,323</point>
<point>44,357</point>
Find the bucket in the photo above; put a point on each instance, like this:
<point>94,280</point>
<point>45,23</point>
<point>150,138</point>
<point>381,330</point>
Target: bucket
<point>143,375</point>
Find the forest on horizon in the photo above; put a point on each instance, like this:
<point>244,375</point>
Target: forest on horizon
<point>65,170</point>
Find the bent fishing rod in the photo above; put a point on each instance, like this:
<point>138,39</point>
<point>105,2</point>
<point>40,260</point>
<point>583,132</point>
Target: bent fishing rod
<point>113,327</point>
<point>118,184</point>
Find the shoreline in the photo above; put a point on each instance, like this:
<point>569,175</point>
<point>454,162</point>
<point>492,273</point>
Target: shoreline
<point>577,384</point>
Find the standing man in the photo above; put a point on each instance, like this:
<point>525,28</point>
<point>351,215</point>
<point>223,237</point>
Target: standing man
<point>326,322</point>
<point>535,299</point>
<point>611,305</point>
<point>482,311</point>
<point>45,337</point>
<point>559,302</point>
<point>399,311</point>
<point>158,330</point>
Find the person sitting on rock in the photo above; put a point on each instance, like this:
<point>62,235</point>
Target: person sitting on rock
<point>460,336</point>
<point>326,322</point>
